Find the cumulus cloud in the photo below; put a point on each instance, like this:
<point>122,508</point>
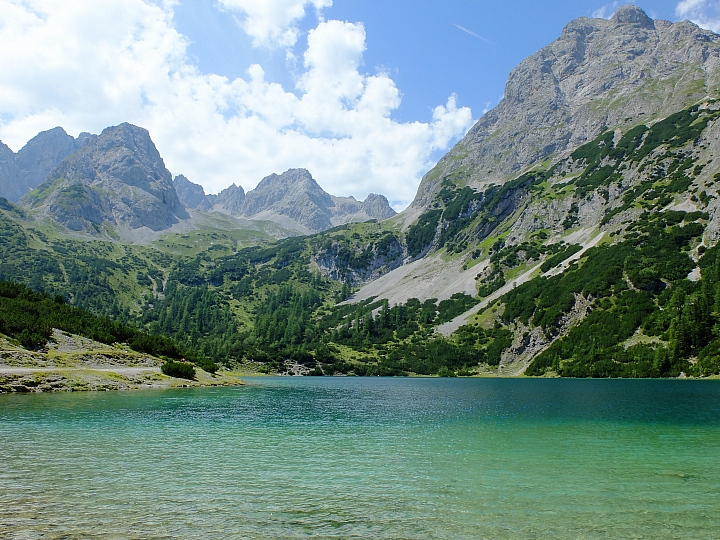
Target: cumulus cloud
<point>273,23</point>
<point>703,13</point>
<point>85,65</point>
<point>606,11</point>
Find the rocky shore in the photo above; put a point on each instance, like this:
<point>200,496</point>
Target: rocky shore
<point>72,363</point>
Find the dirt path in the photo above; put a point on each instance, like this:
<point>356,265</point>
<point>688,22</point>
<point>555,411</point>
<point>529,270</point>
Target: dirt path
<point>119,370</point>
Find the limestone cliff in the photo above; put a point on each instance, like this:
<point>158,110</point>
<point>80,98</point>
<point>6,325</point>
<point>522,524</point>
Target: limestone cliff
<point>12,179</point>
<point>24,171</point>
<point>599,73</point>
<point>117,178</point>
<point>190,194</point>
<point>293,199</point>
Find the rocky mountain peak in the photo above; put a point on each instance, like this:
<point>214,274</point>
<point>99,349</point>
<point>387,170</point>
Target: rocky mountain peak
<point>229,200</point>
<point>116,177</point>
<point>618,72</point>
<point>630,14</point>
<point>293,188</point>
<point>35,161</point>
<point>377,206</point>
<point>292,199</point>
<point>190,194</point>
<point>43,153</point>
<point>12,179</point>
<point>127,153</point>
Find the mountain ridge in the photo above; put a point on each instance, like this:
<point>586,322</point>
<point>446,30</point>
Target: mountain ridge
<point>117,177</point>
<point>116,185</point>
<point>26,170</point>
<point>562,97</point>
<point>293,199</point>
<point>597,258</point>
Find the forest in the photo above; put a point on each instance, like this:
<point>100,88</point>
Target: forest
<point>287,302</point>
<point>635,287</point>
<point>29,318</point>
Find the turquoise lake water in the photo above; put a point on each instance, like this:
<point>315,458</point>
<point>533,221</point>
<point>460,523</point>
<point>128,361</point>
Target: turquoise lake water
<point>366,458</point>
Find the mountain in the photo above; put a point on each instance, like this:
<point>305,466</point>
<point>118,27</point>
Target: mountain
<point>46,151</point>
<point>295,196</point>
<point>292,199</point>
<point>599,74</point>
<point>575,212</point>
<point>117,178</point>
<point>595,255</point>
<point>24,171</point>
<point>190,194</point>
<point>12,179</point>
<point>229,201</point>
<point>116,185</point>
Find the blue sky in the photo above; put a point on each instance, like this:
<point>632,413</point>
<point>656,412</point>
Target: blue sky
<point>416,41</point>
<point>366,94</point>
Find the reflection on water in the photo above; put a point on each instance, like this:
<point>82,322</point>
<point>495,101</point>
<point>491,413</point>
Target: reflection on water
<point>373,458</point>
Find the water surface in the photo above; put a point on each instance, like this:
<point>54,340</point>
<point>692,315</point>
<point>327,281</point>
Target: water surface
<point>366,458</point>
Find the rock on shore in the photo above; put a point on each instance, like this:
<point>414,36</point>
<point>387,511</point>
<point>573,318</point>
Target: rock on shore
<point>72,363</point>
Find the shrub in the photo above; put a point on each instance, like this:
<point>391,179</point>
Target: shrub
<point>207,365</point>
<point>181,370</point>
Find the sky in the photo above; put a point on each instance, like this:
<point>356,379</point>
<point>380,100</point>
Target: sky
<point>365,94</point>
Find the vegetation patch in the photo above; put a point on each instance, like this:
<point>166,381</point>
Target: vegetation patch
<point>181,370</point>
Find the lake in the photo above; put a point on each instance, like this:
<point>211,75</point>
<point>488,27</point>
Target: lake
<point>366,458</point>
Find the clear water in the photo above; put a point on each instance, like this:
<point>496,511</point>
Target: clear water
<point>366,458</point>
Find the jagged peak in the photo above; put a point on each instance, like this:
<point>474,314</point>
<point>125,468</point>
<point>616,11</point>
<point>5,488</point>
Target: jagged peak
<point>57,130</point>
<point>42,137</point>
<point>232,189</point>
<point>627,14</point>
<point>127,133</point>
<point>289,177</point>
<point>375,197</point>
<point>632,14</point>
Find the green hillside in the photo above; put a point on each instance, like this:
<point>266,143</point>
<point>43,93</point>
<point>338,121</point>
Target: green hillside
<point>624,308</point>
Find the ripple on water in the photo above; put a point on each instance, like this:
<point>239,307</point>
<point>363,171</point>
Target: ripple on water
<point>371,458</point>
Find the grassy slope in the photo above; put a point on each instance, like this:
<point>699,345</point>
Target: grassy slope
<point>275,303</point>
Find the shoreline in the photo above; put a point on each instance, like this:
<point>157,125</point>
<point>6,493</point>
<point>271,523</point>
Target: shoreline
<point>72,363</point>
<point>18,380</point>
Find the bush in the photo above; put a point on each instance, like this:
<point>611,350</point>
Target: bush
<point>445,371</point>
<point>181,370</point>
<point>31,340</point>
<point>207,365</point>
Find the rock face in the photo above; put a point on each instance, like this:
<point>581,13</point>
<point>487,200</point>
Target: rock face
<point>229,200</point>
<point>12,179</point>
<point>292,196</point>
<point>292,199</point>
<point>190,194</point>
<point>35,160</point>
<point>44,152</point>
<point>116,178</point>
<point>348,210</point>
<point>618,72</point>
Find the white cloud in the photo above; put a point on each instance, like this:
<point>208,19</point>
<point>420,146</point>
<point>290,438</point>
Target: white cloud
<point>703,13</point>
<point>606,11</point>
<point>273,23</point>
<point>86,65</point>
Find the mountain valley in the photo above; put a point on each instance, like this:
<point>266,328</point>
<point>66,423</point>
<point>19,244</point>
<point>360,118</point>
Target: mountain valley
<point>572,232</point>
